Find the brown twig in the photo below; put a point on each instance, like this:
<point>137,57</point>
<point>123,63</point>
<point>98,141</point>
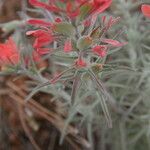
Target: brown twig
<point>52,117</point>
<point>55,119</point>
<point>25,127</point>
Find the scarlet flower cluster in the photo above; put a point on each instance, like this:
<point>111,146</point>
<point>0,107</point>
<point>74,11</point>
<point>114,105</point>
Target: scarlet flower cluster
<point>8,53</point>
<point>73,9</point>
<point>68,17</point>
<point>77,13</point>
<point>73,28</point>
<point>146,10</point>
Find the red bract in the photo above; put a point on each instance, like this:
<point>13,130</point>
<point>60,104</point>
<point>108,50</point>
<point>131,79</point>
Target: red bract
<point>70,12</point>
<point>69,31</point>
<point>73,8</point>
<point>68,46</point>
<point>100,5</point>
<point>39,22</point>
<point>146,10</point>
<point>109,22</point>
<point>43,5</point>
<point>9,53</point>
<point>58,20</point>
<point>53,8</point>
<point>35,56</point>
<point>100,50</point>
<point>87,23</point>
<point>114,43</point>
<point>43,37</point>
<point>80,63</point>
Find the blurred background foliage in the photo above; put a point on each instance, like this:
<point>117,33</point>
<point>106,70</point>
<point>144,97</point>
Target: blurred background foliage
<point>131,89</point>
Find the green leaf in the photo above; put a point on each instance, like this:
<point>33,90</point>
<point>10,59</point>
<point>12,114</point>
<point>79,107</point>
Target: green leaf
<point>84,11</point>
<point>65,28</point>
<point>84,42</point>
<point>12,25</point>
<point>103,95</point>
<point>75,86</point>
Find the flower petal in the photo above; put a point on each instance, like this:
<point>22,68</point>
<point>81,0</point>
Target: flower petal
<point>43,5</point>
<point>101,5</point>
<point>100,50</point>
<point>43,37</point>
<point>8,52</point>
<point>80,63</point>
<point>146,10</point>
<point>39,22</point>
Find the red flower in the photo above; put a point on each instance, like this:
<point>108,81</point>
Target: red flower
<point>146,10</point>
<point>43,5</point>
<point>80,63</point>
<point>39,22</point>
<point>87,23</point>
<point>9,53</point>
<point>100,5</point>
<point>70,12</point>
<point>100,50</point>
<point>43,37</point>
<point>54,8</point>
<point>35,56</point>
<point>72,8</point>
<point>58,20</point>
